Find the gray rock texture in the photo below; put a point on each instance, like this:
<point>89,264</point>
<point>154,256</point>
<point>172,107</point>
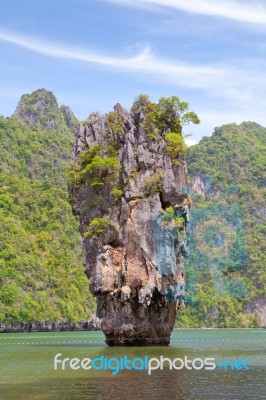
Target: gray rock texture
<point>258,306</point>
<point>132,242</point>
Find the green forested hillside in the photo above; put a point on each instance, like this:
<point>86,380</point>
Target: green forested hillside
<point>229,217</point>
<point>41,272</point>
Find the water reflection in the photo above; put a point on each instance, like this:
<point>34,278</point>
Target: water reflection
<point>27,372</point>
<point>174,385</point>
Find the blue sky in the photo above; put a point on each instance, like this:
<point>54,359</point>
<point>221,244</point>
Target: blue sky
<point>95,53</point>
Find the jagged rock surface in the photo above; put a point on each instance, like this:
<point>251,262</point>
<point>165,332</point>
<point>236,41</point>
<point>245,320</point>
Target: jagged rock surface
<point>136,262</point>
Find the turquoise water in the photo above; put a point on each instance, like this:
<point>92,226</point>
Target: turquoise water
<point>27,372</point>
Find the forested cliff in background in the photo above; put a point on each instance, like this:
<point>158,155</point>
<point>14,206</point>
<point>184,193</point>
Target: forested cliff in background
<point>42,276</point>
<point>227,173</point>
<point>41,271</point>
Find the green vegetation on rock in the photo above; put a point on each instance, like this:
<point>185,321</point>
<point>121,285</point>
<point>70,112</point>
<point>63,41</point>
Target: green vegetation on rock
<point>41,272</point>
<point>40,109</point>
<point>96,167</point>
<point>97,226</point>
<point>175,146</point>
<point>153,184</point>
<point>114,123</point>
<point>168,113</point>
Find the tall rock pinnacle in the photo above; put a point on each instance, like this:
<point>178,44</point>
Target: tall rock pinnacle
<point>127,183</point>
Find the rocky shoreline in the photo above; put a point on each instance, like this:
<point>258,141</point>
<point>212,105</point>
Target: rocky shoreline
<point>94,324</point>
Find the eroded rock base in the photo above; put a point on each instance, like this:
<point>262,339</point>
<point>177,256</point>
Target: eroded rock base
<point>135,324</point>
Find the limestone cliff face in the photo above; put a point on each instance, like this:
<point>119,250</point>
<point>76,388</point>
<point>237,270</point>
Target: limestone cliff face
<point>128,193</point>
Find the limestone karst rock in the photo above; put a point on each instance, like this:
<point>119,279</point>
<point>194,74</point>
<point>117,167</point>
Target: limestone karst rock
<point>127,187</point>
<point>40,109</point>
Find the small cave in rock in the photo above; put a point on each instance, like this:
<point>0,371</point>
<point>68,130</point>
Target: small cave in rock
<point>115,243</point>
<point>164,203</point>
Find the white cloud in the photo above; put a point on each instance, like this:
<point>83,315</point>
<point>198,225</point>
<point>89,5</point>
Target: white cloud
<point>243,87</point>
<point>209,77</point>
<point>190,142</point>
<point>58,51</point>
<point>252,11</point>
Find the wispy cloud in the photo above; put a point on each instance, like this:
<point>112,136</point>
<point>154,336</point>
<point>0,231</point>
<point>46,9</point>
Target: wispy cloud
<point>251,11</point>
<point>58,51</point>
<point>175,71</point>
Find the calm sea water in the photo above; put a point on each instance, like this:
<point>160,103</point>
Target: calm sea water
<point>26,367</point>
